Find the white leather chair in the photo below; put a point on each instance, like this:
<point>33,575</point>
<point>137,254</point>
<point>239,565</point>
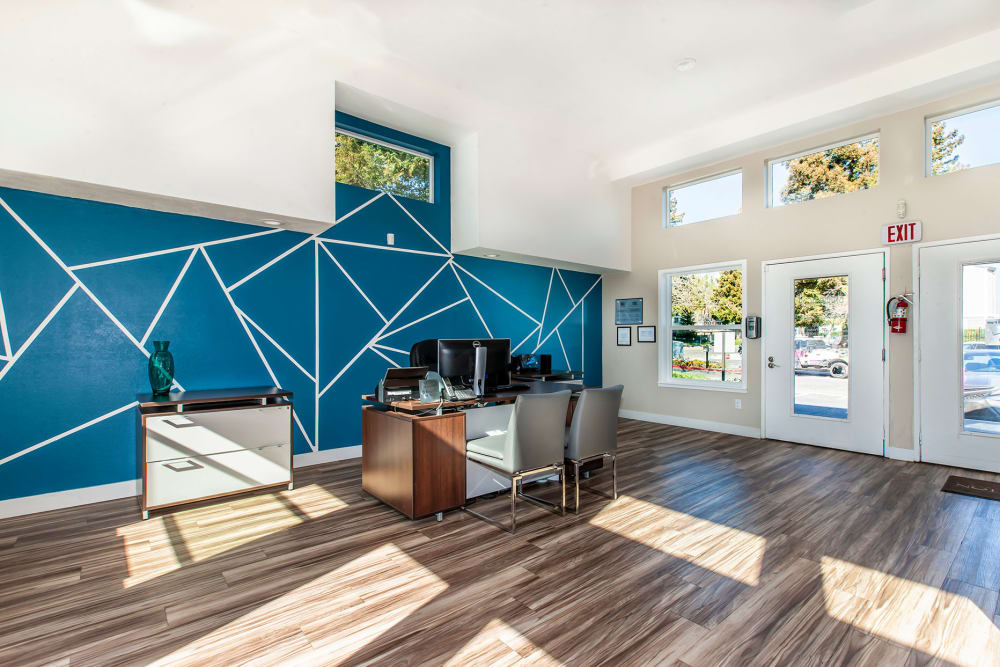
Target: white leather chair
<point>531,444</point>
<point>593,434</point>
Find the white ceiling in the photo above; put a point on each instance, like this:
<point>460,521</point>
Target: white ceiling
<point>583,88</point>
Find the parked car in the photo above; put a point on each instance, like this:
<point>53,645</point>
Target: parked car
<point>817,354</point>
<point>981,380</point>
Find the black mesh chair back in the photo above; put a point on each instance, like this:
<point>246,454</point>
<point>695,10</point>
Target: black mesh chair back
<point>425,353</point>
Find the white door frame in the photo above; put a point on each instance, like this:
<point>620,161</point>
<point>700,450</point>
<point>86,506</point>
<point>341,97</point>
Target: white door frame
<point>885,332</point>
<point>917,444</point>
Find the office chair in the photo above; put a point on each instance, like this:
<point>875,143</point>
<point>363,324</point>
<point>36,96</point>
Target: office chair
<point>425,353</point>
<point>593,434</point>
<point>532,444</point>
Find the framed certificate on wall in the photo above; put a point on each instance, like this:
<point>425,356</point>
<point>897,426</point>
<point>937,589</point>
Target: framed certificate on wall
<point>628,311</point>
<point>624,336</point>
<point>646,334</point>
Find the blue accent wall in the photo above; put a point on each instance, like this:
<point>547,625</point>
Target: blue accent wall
<point>85,287</point>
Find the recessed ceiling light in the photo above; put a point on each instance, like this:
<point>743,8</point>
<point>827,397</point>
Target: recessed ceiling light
<point>273,223</point>
<point>686,64</point>
<point>491,255</point>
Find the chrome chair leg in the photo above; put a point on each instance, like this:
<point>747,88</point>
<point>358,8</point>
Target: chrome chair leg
<point>513,504</point>
<point>576,480</point>
<point>614,475</point>
<point>562,483</point>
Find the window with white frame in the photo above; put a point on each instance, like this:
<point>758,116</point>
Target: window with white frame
<point>963,139</point>
<point>701,317</point>
<point>823,172</point>
<point>708,198</point>
<point>377,165</point>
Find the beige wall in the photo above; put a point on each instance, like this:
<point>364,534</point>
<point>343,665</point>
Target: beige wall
<point>950,206</point>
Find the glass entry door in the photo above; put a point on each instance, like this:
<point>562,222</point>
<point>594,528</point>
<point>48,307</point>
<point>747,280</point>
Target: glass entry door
<point>823,342</point>
<point>959,367</point>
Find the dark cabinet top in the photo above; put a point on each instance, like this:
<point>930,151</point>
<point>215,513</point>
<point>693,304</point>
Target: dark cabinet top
<point>148,400</point>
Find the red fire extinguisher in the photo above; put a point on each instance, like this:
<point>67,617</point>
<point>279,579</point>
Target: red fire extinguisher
<point>895,312</point>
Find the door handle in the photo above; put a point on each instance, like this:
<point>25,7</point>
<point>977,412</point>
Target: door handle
<point>191,466</point>
<point>770,362</point>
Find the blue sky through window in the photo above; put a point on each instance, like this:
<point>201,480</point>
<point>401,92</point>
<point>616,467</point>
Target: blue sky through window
<point>715,198</point>
<point>982,136</point>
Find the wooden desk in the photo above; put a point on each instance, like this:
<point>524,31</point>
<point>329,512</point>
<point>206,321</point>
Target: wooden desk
<point>551,376</point>
<point>415,462</point>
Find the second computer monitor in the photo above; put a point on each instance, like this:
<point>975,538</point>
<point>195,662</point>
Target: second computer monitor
<point>457,359</point>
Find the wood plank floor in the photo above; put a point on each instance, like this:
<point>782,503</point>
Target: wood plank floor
<point>720,550</point>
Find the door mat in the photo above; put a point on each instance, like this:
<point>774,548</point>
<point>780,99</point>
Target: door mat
<point>972,487</point>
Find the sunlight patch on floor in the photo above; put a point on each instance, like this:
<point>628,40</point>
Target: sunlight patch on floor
<point>343,622</point>
<point>950,626</point>
<point>727,551</point>
<point>169,541</point>
<point>500,643</point>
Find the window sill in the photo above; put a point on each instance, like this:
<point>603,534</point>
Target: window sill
<point>738,389</point>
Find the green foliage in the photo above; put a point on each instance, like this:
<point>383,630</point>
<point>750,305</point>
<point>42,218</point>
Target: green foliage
<point>821,301</point>
<point>842,169</point>
<point>727,298</point>
<point>944,160</point>
<point>376,167</point>
<point>707,298</point>
<point>676,215</point>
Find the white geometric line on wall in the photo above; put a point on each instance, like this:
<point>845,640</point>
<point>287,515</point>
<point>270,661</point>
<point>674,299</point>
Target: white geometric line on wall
<point>423,317</point>
<point>390,349</point>
<point>374,339</point>
<point>316,339</point>
<point>273,342</point>
<point>274,380</point>
<point>379,353</point>
<point>530,334</point>
<point>563,347</point>
<point>167,251</point>
<point>391,248</point>
<point>269,264</point>
<point>49,441</point>
<point>44,246</point>
<point>246,322</point>
<point>351,280</point>
<point>563,281</point>
<point>545,309</point>
<point>422,228</point>
<point>508,301</point>
<point>38,329</point>
<point>471,300</point>
<point>170,295</point>
<point>358,208</point>
<point>4,337</point>
<point>556,327</point>
<point>302,428</point>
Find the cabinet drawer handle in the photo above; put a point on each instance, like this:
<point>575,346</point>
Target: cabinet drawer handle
<point>191,466</point>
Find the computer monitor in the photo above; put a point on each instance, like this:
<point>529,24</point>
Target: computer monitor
<point>457,360</point>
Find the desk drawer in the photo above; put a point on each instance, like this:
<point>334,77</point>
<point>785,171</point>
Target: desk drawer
<point>183,479</point>
<point>186,434</point>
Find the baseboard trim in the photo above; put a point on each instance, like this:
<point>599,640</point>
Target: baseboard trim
<point>687,422</point>
<point>900,454</point>
<point>56,500</point>
<point>326,456</point>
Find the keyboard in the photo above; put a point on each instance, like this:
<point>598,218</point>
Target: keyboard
<point>464,394</point>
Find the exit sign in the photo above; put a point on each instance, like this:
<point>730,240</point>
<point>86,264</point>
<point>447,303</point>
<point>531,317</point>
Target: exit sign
<point>901,232</point>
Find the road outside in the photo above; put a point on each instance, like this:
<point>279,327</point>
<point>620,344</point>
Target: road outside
<point>817,394</point>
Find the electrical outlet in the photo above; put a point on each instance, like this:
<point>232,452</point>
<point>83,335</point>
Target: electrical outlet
<point>738,404</point>
<point>390,239</point>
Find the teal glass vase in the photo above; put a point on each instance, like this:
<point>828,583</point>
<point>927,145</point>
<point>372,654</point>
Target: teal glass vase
<point>161,368</point>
